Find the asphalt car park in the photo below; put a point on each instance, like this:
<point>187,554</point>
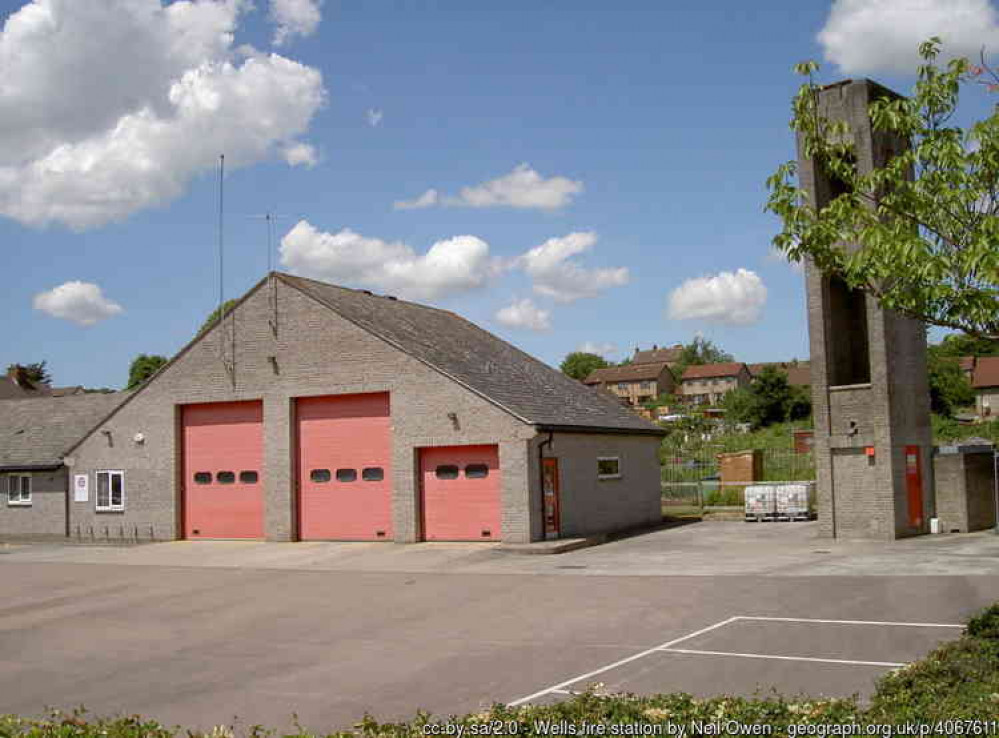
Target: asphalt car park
<point>201,634</point>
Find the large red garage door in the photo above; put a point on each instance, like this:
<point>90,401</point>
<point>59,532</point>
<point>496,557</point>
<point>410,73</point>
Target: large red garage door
<point>223,470</point>
<point>344,478</point>
<point>461,493</point>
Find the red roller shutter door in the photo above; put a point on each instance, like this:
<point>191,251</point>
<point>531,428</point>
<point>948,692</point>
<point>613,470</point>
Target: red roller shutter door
<point>344,474</point>
<point>461,493</point>
<point>223,470</point>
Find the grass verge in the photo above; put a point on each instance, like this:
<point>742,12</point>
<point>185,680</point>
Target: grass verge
<point>953,691</point>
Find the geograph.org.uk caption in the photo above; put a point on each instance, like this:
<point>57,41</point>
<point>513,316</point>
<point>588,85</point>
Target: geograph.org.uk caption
<point>708,728</point>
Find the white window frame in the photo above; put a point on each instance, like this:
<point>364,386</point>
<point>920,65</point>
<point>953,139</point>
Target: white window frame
<point>609,476</point>
<point>21,500</point>
<point>110,507</point>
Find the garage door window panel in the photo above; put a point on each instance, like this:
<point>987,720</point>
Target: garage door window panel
<point>373,474</point>
<point>248,477</point>
<point>320,476</point>
<point>346,475</point>
<point>110,491</point>
<point>447,471</point>
<point>202,477</point>
<point>225,477</point>
<point>476,471</point>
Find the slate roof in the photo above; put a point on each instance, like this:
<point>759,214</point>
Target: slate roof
<point>669,354</point>
<point>704,371</point>
<point>523,386</point>
<point>11,390</point>
<point>626,373</point>
<point>986,372</point>
<point>800,373</point>
<point>35,433</point>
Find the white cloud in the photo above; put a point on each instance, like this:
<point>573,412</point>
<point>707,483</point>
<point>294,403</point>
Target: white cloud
<point>525,314</point>
<point>556,274</point>
<point>88,136</point>
<point>427,200</point>
<point>374,117</point>
<point>522,188</point>
<point>294,18</point>
<point>81,302</point>
<point>300,154</point>
<point>733,298</point>
<point>599,348</point>
<point>882,36</point>
<point>450,266</point>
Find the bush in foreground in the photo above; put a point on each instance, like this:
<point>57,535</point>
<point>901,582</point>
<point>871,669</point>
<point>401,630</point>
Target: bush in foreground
<point>957,681</point>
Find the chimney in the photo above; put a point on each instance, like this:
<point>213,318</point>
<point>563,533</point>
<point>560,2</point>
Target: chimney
<point>17,374</point>
<point>655,347</point>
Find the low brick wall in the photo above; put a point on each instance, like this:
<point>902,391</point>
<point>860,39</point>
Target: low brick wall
<point>964,481</point>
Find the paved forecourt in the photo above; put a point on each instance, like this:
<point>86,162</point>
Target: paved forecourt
<point>202,646</point>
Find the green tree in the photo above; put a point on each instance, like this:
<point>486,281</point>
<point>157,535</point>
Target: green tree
<point>142,368</point>
<point>36,373</point>
<point>769,399</point>
<point>700,351</point>
<point>926,223</point>
<point>949,387</point>
<point>579,364</point>
<point>961,344</point>
<point>214,315</point>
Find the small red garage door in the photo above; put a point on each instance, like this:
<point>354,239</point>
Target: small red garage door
<point>223,470</point>
<point>344,477</point>
<point>461,493</point>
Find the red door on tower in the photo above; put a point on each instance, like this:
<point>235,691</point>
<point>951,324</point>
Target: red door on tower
<point>461,493</point>
<point>344,470</point>
<point>223,470</point>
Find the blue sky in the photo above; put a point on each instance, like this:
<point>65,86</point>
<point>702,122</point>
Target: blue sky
<point>587,161</point>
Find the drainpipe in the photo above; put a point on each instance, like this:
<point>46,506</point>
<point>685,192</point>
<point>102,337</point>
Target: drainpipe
<point>541,478</point>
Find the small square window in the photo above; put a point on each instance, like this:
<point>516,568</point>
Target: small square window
<point>373,474</point>
<point>18,489</point>
<point>202,477</point>
<point>226,477</point>
<point>110,491</point>
<point>609,467</point>
<point>320,475</point>
<point>476,471</point>
<point>248,477</point>
<point>346,475</point>
<point>447,471</point>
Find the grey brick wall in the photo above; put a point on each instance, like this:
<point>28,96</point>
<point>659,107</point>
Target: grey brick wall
<point>965,491</point>
<point>860,497</point>
<point>316,353</point>
<point>45,517</point>
<point>592,505</point>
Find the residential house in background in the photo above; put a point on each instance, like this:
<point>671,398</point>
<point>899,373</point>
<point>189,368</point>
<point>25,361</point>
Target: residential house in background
<point>634,384</point>
<point>707,384</point>
<point>799,373</point>
<point>15,385</point>
<point>985,381</point>
<point>668,355</point>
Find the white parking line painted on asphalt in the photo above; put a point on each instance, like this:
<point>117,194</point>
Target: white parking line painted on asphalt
<point>668,648</point>
<point>557,688</point>
<point>890,664</point>
<point>844,622</point>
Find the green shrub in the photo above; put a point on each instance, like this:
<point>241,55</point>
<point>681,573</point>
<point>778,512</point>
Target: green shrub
<point>725,497</point>
<point>985,624</point>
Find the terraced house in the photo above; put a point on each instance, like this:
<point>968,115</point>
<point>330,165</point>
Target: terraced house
<point>315,412</point>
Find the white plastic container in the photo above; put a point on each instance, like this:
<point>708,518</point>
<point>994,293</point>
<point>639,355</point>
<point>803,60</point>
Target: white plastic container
<point>761,502</point>
<point>795,501</point>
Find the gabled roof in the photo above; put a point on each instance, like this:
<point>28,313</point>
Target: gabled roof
<point>11,390</point>
<point>656,355</point>
<point>526,388</point>
<point>626,373</point>
<point>36,433</point>
<point>986,372</point>
<point>706,371</point>
<point>799,372</point>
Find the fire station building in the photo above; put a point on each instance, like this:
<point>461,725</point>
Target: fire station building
<point>315,412</point>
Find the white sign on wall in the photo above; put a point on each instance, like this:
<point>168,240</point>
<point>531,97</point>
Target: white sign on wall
<point>81,487</point>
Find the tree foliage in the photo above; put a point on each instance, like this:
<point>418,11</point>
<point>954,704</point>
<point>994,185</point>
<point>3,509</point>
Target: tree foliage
<point>579,364</point>
<point>960,344</point>
<point>142,368</point>
<point>699,351</point>
<point>214,315</point>
<point>949,387</point>
<point>769,399</point>
<point>36,373</point>
<point>926,223</point>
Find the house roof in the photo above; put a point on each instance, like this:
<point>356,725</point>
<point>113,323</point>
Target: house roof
<point>504,375</point>
<point>656,355</point>
<point>37,432</point>
<point>986,372</point>
<point>705,371</point>
<point>967,363</point>
<point>11,390</point>
<point>626,373</point>
<point>799,373</point>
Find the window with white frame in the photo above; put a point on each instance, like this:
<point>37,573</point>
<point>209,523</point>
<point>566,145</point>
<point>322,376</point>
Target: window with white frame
<point>18,487</point>
<point>609,467</point>
<point>110,491</point>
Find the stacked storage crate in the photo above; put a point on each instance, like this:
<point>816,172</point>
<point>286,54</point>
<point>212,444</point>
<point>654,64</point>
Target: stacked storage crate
<point>796,501</point>
<point>761,502</point>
